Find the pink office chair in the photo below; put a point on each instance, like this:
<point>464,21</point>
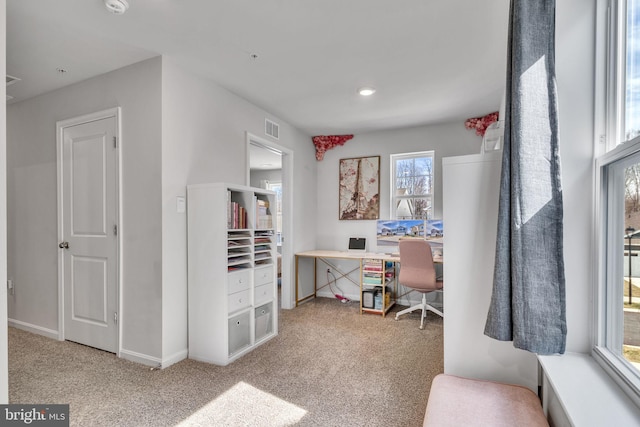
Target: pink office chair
<point>418,273</point>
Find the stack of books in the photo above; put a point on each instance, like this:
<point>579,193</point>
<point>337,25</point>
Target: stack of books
<point>236,214</point>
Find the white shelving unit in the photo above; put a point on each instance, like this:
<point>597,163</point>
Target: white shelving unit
<point>233,304</point>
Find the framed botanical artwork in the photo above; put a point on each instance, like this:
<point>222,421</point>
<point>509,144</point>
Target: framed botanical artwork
<point>359,188</point>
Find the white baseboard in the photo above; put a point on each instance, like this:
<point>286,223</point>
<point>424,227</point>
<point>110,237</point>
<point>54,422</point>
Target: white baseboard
<point>175,358</point>
<point>143,359</point>
<point>49,333</point>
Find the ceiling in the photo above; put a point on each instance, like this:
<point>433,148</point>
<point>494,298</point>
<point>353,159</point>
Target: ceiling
<point>261,158</point>
<point>300,60</point>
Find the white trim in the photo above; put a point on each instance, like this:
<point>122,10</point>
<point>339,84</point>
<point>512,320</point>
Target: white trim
<point>287,281</point>
<point>141,358</point>
<point>586,394</point>
<point>174,358</point>
<point>39,330</point>
<point>115,112</point>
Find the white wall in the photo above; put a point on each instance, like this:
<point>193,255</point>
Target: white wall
<point>575,34</point>
<point>258,175</point>
<point>178,129</point>
<point>448,139</point>
<point>203,134</point>
<point>4,369</point>
<point>32,193</point>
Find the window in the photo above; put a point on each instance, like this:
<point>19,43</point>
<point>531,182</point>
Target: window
<point>617,338</point>
<point>277,187</point>
<point>412,185</point>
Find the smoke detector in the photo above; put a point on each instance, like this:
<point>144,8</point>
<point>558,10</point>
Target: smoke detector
<point>117,7</point>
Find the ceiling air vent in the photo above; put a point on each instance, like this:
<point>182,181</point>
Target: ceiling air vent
<point>271,128</point>
<point>11,80</point>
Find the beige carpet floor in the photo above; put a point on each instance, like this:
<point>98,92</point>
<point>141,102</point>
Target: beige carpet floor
<point>329,366</point>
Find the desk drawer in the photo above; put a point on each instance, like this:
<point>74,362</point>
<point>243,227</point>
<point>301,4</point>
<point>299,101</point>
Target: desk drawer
<point>239,300</point>
<point>263,275</point>
<point>239,281</point>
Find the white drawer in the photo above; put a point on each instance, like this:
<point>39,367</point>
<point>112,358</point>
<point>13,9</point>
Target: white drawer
<point>239,281</point>
<point>263,275</point>
<point>239,300</point>
<point>263,293</point>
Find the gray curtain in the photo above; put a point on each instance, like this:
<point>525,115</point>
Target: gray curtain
<point>528,300</point>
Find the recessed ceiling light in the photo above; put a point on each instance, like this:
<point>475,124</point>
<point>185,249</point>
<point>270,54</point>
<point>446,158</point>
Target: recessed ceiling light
<point>366,91</point>
<point>117,7</point>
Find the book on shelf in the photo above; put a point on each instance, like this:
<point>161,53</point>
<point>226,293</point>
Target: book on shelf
<point>238,218</point>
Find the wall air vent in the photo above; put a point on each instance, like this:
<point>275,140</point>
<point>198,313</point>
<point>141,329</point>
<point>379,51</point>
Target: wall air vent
<point>271,128</point>
<point>11,80</point>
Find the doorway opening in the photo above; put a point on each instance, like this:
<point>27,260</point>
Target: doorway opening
<point>270,166</point>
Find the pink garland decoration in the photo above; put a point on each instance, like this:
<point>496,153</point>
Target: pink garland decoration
<point>480,124</point>
<point>326,142</point>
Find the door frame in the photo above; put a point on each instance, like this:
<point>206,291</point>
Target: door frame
<point>60,127</point>
<point>287,287</point>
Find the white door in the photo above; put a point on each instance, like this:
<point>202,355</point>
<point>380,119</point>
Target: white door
<point>89,234</point>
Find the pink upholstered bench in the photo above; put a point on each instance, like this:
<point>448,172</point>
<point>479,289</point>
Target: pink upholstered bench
<point>456,401</point>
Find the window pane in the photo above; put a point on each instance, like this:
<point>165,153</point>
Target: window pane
<point>422,185</point>
<point>413,208</point>
<point>423,166</point>
<point>404,168</point>
<point>632,80</point>
<point>404,186</point>
<point>404,209</point>
<point>631,281</point>
<point>423,208</point>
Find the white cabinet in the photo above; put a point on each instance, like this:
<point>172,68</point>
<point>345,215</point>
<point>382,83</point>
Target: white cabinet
<point>233,302</point>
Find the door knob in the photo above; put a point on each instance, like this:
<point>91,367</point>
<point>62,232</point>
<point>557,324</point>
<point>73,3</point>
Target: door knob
<point>64,245</point>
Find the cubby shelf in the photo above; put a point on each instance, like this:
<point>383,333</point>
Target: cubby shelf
<point>233,305</point>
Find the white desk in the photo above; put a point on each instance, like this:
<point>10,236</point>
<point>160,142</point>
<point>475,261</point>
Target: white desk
<point>327,256</point>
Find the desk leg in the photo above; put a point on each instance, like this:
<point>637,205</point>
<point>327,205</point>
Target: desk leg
<point>360,280</point>
<point>315,276</point>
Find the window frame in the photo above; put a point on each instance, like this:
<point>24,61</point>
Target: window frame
<point>609,320</point>
<point>612,153</point>
<point>393,197</point>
